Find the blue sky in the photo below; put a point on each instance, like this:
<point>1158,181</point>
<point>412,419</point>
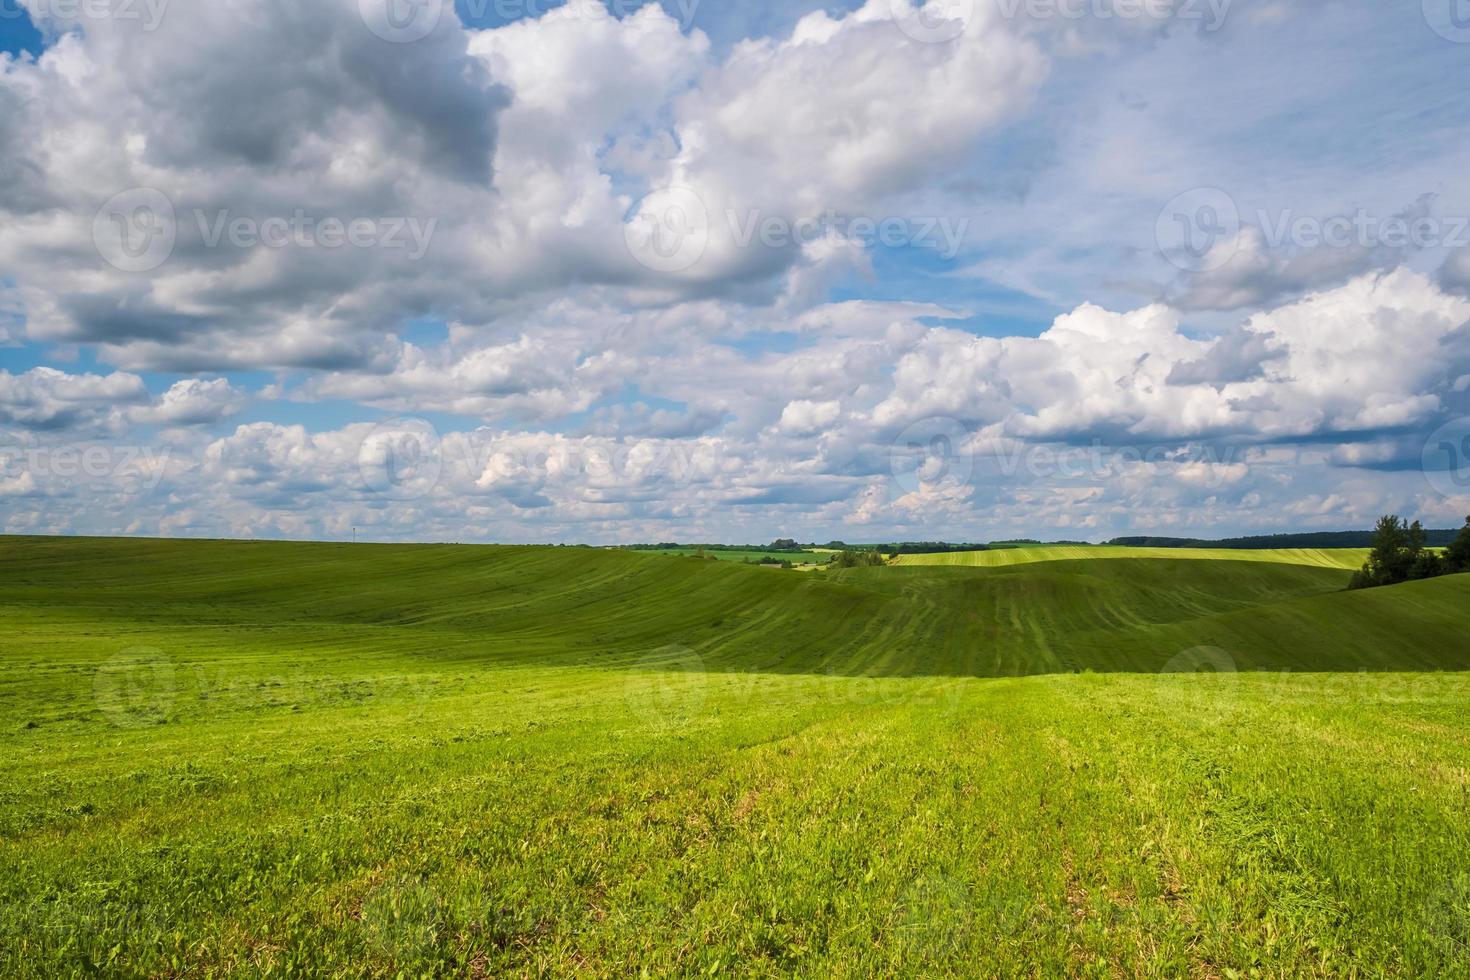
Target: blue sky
<point>18,35</point>
<point>721,271</point>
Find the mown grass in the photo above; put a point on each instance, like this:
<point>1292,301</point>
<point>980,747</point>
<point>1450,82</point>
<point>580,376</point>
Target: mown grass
<point>229,759</point>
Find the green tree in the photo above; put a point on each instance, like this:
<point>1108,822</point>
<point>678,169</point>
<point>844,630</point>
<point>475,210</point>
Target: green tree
<point>857,559</point>
<point>1389,561</point>
<point>1422,563</point>
<point>1416,541</point>
<point>1427,565</point>
<point>1457,557</point>
<point>1400,554</point>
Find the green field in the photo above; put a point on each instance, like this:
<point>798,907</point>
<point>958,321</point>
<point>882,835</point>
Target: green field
<point>1345,558</point>
<point>265,759</point>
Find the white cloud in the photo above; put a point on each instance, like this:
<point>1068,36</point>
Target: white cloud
<point>44,398</point>
<point>337,125</point>
<point>1252,274</point>
<point>1361,357</point>
<point>803,417</point>
<point>880,115</point>
<point>193,402</point>
<point>22,484</point>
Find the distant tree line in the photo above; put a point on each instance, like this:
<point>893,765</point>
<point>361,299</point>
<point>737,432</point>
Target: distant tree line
<point>1033,543</point>
<point>945,547</point>
<point>782,545</point>
<point>1402,553</point>
<point>792,546</point>
<point>1319,539</point>
<point>928,548</point>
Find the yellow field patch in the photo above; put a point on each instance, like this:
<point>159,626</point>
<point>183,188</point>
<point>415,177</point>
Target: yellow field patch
<point>1346,558</point>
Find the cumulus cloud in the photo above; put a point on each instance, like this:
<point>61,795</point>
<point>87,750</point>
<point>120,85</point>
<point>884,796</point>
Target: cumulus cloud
<point>1361,357</point>
<point>193,402</point>
<point>881,109</point>
<point>803,417</point>
<point>1290,254</point>
<point>181,223</point>
<point>552,373</point>
<point>487,166</point>
<point>47,399</point>
<point>364,184</point>
<point>882,113</point>
<point>1252,273</point>
<point>22,484</point>
<point>1237,355</point>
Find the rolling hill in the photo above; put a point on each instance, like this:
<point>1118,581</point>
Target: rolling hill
<point>587,607</point>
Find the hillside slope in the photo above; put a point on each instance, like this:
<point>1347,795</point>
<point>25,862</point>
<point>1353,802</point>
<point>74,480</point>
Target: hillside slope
<point>578,607</point>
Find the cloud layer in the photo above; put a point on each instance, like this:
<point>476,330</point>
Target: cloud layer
<point>270,270</point>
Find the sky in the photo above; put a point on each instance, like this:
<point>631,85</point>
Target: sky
<point>614,272</point>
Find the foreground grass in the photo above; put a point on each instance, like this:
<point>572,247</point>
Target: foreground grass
<point>545,822</point>
<point>299,761</point>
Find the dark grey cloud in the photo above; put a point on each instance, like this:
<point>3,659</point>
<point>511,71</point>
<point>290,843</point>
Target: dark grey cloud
<point>1454,275</point>
<point>1239,355</point>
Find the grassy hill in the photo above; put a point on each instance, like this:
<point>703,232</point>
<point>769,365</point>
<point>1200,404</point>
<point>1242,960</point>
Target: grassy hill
<point>243,759</point>
<point>490,606</point>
